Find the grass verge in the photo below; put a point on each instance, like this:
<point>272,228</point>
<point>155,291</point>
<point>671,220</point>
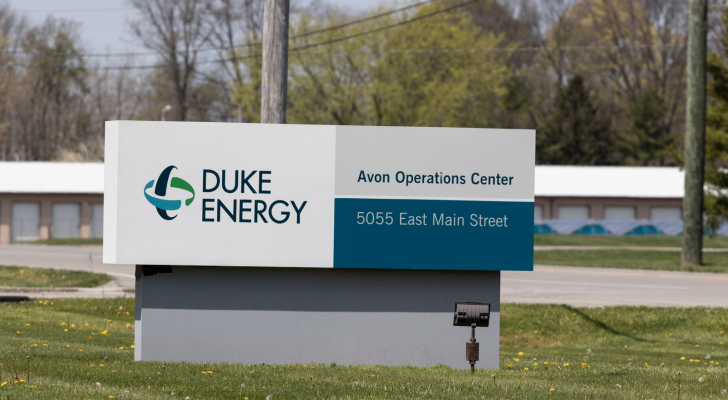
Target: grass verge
<point>42,277</point>
<point>641,241</point>
<point>67,242</point>
<point>75,343</point>
<point>629,259</point>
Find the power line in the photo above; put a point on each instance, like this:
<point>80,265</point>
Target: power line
<point>76,10</point>
<point>299,48</point>
<point>416,51</point>
<point>419,18</point>
<point>409,21</point>
<point>252,44</point>
<point>362,20</point>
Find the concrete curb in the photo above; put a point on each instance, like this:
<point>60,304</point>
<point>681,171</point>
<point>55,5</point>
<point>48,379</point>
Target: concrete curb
<point>632,248</point>
<point>12,289</point>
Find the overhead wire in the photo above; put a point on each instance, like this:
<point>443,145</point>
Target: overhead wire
<point>251,44</point>
<point>299,48</point>
<point>75,10</point>
<point>415,19</point>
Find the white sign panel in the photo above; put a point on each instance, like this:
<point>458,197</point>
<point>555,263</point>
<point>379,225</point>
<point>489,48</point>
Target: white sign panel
<point>218,194</point>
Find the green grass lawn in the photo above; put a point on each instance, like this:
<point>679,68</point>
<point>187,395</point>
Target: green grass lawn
<point>642,241</point>
<point>42,277</point>
<point>68,242</point>
<point>631,259</point>
<point>73,344</point>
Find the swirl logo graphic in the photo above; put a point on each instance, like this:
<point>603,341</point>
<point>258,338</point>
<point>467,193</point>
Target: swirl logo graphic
<point>160,190</point>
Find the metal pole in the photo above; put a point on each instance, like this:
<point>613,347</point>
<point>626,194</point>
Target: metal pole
<point>164,111</point>
<point>275,62</point>
<point>692,242</point>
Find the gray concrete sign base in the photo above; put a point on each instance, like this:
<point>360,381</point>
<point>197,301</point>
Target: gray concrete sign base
<point>301,315</point>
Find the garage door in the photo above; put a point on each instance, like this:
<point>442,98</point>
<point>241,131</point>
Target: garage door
<point>666,213</point>
<point>26,221</point>
<point>614,213</point>
<point>66,220</point>
<point>537,212</point>
<point>573,212</point>
<point>97,220</point>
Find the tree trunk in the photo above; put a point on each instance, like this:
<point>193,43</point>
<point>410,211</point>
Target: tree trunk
<point>275,62</point>
<point>692,243</point>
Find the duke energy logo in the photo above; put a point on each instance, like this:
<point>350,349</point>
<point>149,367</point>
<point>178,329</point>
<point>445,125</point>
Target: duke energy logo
<point>160,190</point>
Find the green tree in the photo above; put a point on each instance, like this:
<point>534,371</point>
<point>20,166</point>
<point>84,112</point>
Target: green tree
<point>576,133</point>
<point>716,143</point>
<point>437,71</point>
<point>649,140</point>
<point>51,110</point>
<point>441,72</point>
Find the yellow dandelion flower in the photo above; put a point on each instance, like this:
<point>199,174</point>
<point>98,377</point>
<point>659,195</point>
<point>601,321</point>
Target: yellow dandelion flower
<point>682,358</point>
<point>101,365</point>
<point>81,350</point>
<point>516,360</point>
<point>535,331</point>
<point>671,334</point>
<point>3,384</point>
<point>526,369</point>
<point>551,390</point>
<point>520,353</point>
<point>209,372</point>
<point>132,346</point>
<point>697,345</point>
<point>566,364</point>
<point>92,365</point>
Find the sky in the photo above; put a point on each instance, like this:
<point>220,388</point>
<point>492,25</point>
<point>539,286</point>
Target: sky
<point>104,22</point>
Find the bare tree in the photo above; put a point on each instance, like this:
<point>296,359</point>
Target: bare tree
<point>176,31</point>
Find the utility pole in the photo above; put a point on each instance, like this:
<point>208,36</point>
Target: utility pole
<point>275,62</point>
<point>692,241</point>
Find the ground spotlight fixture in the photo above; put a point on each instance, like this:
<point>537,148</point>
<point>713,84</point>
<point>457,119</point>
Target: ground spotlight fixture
<point>472,314</point>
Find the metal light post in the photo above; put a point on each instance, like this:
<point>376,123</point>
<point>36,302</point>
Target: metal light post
<point>164,111</point>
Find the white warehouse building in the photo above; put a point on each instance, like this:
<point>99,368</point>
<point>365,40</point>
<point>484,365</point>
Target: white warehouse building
<point>43,200</point>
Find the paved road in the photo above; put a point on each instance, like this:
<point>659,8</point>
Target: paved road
<point>87,258</point>
<point>592,287</point>
<point>596,287</point>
